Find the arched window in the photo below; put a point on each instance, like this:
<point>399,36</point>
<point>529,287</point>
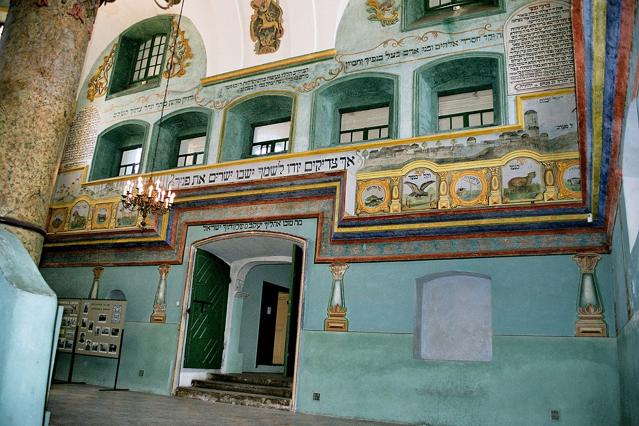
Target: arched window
<point>140,56</point>
<point>182,142</point>
<point>461,93</point>
<point>258,126</point>
<point>357,109</point>
<point>421,13</point>
<point>118,150</point>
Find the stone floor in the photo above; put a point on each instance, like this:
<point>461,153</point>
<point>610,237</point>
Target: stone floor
<point>85,405</point>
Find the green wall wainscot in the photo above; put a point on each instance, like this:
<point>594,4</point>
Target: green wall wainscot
<point>374,376</point>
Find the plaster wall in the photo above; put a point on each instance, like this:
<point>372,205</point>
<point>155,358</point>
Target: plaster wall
<point>370,371</point>
<point>309,25</point>
<point>626,279</point>
<point>28,316</point>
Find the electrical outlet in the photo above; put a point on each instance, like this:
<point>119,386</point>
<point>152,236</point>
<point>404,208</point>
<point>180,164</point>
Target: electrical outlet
<point>141,373</point>
<point>554,415</point>
<point>316,396</point>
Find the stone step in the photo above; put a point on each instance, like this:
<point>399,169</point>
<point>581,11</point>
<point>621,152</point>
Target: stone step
<point>254,379</point>
<point>235,398</point>
<point>282,391</point>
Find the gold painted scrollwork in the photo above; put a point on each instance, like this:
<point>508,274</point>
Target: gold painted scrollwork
<point>179,53</point>
<point>99,82</point>
<point>266,27</point>
<point>386,13</point>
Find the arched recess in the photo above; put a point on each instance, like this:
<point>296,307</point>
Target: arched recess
<point>118,150</point>
<point>460,85</point>
<point>252,249</point>
<point>264,110</point>
<point>357,93</point>
<point>140,56</point>
<point>183,139</point>
<point>453,318</point>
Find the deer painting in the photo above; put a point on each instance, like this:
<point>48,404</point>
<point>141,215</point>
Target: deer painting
<point>520,183</point>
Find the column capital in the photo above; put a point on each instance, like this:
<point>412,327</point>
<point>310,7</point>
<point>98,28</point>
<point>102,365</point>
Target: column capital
<point>338,270</point>
<point>587,261</point>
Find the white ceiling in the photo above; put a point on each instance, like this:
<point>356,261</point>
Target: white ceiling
<point>309,26</point>
<point>249,247</point>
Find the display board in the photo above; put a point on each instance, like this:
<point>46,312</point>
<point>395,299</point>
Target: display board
<point>100,325</point>
<point>68,325</point>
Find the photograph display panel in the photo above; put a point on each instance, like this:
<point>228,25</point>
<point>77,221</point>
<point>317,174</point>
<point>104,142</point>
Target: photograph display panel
<point>70,319</point>
<point>100,328</point>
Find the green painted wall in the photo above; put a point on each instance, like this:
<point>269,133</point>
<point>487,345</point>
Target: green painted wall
<point>531,295</point>
<point>373,376</point>
<point>626,273</point>
<point>274,274</point>
<point>537,364</point>
<point>146,346</point>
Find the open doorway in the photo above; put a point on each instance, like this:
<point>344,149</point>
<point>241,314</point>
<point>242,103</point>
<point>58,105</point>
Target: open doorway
<point>242,319</point>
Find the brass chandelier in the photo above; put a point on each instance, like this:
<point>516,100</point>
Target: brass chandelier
<point>147,198</point>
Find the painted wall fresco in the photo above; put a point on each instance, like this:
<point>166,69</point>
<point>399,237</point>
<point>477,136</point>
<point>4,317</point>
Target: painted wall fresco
<point>531,158</point>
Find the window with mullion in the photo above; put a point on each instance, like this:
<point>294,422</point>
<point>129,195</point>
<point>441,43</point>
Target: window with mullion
<point>130,161</point>
<point>466,109</point>
<point>191,151</point>
<point>149,59</point>
<point>270,138</point>
<point>448,4</point>
<point>364,124</point>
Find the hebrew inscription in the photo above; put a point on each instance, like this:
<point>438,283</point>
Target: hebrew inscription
<point>539,48</point>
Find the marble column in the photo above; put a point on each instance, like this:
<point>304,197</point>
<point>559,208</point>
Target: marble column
<point>41,56</point>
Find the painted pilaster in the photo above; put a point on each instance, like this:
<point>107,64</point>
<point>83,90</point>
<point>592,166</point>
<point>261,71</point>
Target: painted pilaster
<point>336,319</point>
<point>39,73</point>
<point>589,304</point>
<point>159,304</point>
<point>233,360</point>
<point>95,286</point>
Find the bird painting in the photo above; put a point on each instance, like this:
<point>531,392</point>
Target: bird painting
<point>421,190</point>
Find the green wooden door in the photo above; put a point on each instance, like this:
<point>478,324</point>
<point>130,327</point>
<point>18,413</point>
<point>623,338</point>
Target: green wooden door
<point>207,312</point>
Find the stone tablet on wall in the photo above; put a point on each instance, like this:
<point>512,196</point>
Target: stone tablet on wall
<point>539,47</point>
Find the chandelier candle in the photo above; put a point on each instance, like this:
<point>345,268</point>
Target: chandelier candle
<point>147,198</point>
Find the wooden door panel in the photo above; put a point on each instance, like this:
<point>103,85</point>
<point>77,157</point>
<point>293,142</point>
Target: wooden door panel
<point>207,312</point>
